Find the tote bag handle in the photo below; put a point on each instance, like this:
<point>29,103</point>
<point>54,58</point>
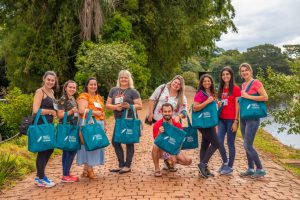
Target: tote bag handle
<point>38,114</point>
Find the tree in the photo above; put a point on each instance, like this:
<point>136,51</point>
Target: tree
<point>267,55</point>
<point>292,51</point>
<point>175,30</point>
<point>283,92</point>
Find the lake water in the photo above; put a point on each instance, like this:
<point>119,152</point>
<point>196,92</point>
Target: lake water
<point>290,140</point>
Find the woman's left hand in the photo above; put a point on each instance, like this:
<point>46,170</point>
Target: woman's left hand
<point>234,126</point>
<point>125,105</point>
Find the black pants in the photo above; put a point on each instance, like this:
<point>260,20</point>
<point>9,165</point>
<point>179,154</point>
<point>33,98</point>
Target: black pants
<point>120,153</point>
<point>41,162</point>
<point>209,144</point>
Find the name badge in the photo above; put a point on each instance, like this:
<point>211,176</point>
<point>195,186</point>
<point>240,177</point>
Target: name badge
<point>55,106</point>
<point>118,100</point>
<point>97,105</point>
<point>225,102</point>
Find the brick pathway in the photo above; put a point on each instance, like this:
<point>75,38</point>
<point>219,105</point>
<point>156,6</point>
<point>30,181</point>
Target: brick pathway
<point>141,184</point>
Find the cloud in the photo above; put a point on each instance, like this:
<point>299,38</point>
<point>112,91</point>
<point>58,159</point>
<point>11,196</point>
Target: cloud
<point>259,22</point>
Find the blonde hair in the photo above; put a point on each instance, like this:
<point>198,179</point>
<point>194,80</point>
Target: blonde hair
<point>128,75</point>
<point>180,94</point>
<point>247,66</point>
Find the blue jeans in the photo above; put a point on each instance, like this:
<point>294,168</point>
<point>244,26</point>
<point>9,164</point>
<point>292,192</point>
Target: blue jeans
<point>67,159</point>
<point>249,128</point>
<point>224,126</point>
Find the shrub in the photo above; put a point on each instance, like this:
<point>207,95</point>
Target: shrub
<point>190,78</point>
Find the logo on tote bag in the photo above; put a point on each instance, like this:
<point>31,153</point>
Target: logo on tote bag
<point>170,140</point>
<point>127,131</point>
<point>253,106</point>
<point>97,137</point>
<point>205,115</point>
<point>189,139</point>
<point>70,139</point>
<point>45,138</point>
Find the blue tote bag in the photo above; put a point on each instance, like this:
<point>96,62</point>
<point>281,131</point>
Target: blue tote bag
<point>207,117</point>
<point>191,137</point>
<point>93,134</point>
<point>67,137</point>
<point>171,140</point>
<point>41,137</point>
<point>250,109</point>
<point>127,130</point>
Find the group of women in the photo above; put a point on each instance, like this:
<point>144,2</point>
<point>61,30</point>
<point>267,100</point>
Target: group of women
<point>124,95</point>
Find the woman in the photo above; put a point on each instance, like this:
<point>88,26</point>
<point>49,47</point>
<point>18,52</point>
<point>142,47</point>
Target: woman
<point>229,94</point>
<point>209,142</point>
<point>90,99</point>
<point>67,103</point>
<point>173,93</point>
<point>44,100</point>
<point>249,127</point>
<point>120,98</point>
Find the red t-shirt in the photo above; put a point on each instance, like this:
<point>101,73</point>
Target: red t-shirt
<point>228,110</point>
<point>159,124</point>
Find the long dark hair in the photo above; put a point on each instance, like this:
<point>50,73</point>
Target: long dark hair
<point>87,83</point>
<point>222,83</point>
<point>212,87</point>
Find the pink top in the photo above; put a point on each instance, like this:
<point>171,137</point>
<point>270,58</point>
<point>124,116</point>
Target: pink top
<point>200,97</point>
<point>254,87</point>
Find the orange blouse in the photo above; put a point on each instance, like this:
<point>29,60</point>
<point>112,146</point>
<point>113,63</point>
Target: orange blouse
<point>91,104</point>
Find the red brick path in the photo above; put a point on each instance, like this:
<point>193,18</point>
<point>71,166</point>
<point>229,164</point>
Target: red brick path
<point>141,184</point>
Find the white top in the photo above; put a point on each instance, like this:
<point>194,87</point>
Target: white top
<point>165,98</point>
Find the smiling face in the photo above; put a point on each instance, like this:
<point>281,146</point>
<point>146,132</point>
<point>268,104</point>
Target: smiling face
<point>167,112</point>
<point>245,73</point>
<point>226,76</point>
<point>124,80</point>
<point>176,84</point>
<point>92,86</point>
<point>71,89</point>
<point>206,83</point>
<point>49,81</point>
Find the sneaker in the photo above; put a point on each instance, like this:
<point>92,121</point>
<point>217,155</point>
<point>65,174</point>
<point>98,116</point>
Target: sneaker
<point>67,179</point>
<point>202,170</point>
<point>222,166</point>
<point>36,180</point>
<point>208,172</point>
<point>226,170</point>
<point>75,178</point>
<point>260,173</point>
<point>39,182</point>
<point>47,182</point>
<point>248,172</point>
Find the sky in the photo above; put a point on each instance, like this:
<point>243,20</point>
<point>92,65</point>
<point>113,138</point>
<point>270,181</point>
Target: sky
<point>263,21</point>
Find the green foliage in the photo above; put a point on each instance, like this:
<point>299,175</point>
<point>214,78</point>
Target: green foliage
<point>15,161</point>
<point>192,64</point>
<point>11,113</point>
<point>284,99</point>
<point>117,28</point>
<point>174,30</point>
<point>105,60</point>
<point>190,78</point>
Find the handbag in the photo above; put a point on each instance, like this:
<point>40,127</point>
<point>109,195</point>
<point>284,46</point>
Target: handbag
<point>207,117</point>
<point>67,137</point>
<point>93,134</point>
<point>25,123</point>
<point>127,130</point>
<point>191,137</point>
<point>171,140</point>
<point>251,109</point>
<point>155,105</point>
<point>41,137</point>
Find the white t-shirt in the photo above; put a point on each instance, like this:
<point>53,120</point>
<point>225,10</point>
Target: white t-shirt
<point>165,98</point>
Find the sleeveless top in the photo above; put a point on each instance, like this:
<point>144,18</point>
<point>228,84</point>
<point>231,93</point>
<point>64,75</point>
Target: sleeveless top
<point>47,103</point>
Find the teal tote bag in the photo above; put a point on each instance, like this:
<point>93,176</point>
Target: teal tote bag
<point>127,130</point>
<point>191,137</point>
<point>207,117</point>
<point>67,137</point>
<point>171,140</point>
<point>41,137</point>
<point>93,134</point>
<point>250,109</point>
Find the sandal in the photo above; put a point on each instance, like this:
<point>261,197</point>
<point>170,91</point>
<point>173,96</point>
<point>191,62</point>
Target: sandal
<point>115,170</point>
<point>158,173</point>
<point>91,174</point>
<point>84,173</point>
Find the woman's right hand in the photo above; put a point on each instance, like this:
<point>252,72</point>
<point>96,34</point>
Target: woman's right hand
<point>150,117</point>
<point>53,113</point>
<point>118,107</point>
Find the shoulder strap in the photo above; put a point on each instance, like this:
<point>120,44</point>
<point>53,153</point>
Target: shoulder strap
<point>249,86</point>
<point>205,93</point>
<point>159,97</point>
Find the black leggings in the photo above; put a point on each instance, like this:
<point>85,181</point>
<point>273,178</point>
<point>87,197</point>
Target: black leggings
<point>41,162</point>
<point>209,144</point>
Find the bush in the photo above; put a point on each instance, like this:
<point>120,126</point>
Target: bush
<point>190,78</point>
<point>11,113</point>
